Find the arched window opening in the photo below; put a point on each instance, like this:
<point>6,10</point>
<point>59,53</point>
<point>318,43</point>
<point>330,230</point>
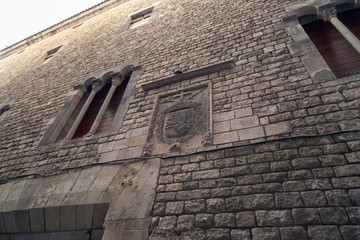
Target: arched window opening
<point>93,112</point>
<point>110,112</point>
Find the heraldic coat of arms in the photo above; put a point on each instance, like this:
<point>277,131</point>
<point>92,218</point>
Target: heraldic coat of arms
<point>180,120</point>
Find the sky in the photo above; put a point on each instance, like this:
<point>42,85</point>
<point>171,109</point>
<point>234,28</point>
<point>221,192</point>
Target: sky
<point>20,19</point>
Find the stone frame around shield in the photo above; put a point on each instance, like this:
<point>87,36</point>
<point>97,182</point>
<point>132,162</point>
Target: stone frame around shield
<point>181,120</point>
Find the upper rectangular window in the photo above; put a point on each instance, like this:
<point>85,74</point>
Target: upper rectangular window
<point>140,18</point>
<point>46,57</point>
<point>138,21</point>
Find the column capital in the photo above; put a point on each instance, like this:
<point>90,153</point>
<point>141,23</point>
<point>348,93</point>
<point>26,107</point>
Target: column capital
<point>96,85</point>
<point>117,79</point>
<point>327,13</point>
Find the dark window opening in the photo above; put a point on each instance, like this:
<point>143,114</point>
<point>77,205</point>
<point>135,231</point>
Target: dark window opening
<point>4,108</point>
<point>110,112</point>
<point>91,113</point>
<point>46,57</point>
<point>94,108</point>
<point>338,53</point>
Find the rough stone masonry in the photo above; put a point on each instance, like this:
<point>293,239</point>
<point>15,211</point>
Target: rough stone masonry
<point>255,139</point>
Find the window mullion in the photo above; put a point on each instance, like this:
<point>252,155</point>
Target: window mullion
<point>330,15</point>
<point>96,86</point>
<point>115,82</point>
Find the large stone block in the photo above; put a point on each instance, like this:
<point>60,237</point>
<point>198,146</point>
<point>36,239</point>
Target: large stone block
<point>84,216</point>
<point>136,200</point>
<point>278,128</point>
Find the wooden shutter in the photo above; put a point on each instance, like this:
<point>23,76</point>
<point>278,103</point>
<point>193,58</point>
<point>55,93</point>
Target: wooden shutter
<point>341,57</point>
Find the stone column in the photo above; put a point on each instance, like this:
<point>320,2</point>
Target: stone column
<point>95,87</point>
<point>329,15</point>
<point>115,82</point>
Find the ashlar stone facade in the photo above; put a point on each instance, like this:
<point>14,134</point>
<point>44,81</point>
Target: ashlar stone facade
<point>232,126</point>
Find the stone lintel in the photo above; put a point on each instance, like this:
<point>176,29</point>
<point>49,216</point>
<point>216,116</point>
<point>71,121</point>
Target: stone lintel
<point>188,75</point>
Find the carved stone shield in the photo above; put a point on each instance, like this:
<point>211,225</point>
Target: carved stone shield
<point>177,122</point>
<point>180,120</point>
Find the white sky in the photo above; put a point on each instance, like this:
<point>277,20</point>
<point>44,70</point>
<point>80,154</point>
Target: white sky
<point>20,19</point>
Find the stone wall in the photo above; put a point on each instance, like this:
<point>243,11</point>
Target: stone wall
<point>285,132</point>
<point>300,188</point>
<point>81,204</point>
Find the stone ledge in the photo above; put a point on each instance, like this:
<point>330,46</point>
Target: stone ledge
<point>188,75</point>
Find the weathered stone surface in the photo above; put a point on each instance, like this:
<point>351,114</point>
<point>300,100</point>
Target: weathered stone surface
<point>273,218</point>
<point>206,174</point>
<point>293,233</point>
<point>240,234</point>
<point>305,216</point>
<point>251,133</point>
<point>168,222</point>
<point>349,232</point>
<point>278,149</point>
<point>338,198</point>
<point>334,215</point>
<point>258,201</point>
<point>318,232</point>
<point>135,234</point>
<point>245,219</point>
<point>346,182</point>
<point>314,199</point>
<point>349,170</point>
<point>246,122</point>
<point>265,233</point>
<point>287,200</point>
<point>321,184</point>
<point>224,220</point>
<point>217,234</point>
<point>215,205</point>
<point>204,220</point>
<point>354,214</point>
<point>293,186</point>
<point>174,207</point>
<point>195,206</point>
<point>226,137</point>
<point>278,128</point>
<point>144,184</point>
<point>355,196</point>
<point>233,204</point>
<point>186,222</point>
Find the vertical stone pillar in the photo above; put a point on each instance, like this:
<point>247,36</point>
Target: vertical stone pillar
<point>330,15</point>
<point>115,82</point>
<point>95,87</point>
